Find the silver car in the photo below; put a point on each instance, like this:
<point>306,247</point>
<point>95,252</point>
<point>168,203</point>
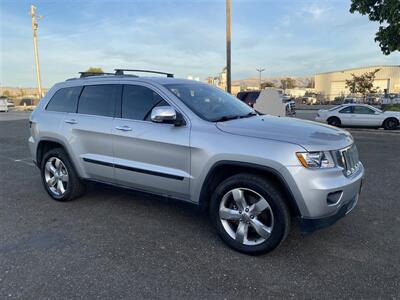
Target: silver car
<point>194,142</point>
<point>359,115</point>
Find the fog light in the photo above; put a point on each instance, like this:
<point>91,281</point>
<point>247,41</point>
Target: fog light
<point>334,197</point>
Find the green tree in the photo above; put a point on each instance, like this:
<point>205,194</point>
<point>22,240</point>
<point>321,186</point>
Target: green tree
<point>363,84</point>
<point>288,83</point>
<point>95,70</point>
<point>6,93</point>
<point>387,13</point>
<point>267,84</point>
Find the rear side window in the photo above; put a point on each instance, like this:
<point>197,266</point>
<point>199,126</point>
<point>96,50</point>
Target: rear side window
<point>138,101</point>
<point>64,100</point>
<point>346,110</point>
<point>98,100</point>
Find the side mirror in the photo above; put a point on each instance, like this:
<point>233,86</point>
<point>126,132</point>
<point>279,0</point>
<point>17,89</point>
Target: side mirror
<point>166,114</point>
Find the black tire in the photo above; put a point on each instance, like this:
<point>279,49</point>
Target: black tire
<point>269,192</point>
<point>74,188</point>
<point>334,121</point>
<point>390,124</point>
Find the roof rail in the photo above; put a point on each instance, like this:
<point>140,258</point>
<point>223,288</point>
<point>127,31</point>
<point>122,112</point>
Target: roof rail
<point>121,72</point>
<point>88,74</point>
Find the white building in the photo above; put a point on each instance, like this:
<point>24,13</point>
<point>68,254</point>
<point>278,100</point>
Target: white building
<point>333,84</point>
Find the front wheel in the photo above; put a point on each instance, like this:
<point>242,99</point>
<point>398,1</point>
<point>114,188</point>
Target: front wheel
<point>250,214</point>
<point>390,124</point>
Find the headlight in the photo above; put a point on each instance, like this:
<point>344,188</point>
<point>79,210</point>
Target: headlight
<point>316,160</point>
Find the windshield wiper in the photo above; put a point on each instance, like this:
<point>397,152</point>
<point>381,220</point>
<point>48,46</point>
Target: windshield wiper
<point>250,114</point>
<point>226,118</point>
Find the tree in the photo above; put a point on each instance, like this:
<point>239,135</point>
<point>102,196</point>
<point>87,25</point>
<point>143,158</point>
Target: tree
<point>386,12</point>
<point>311,83</point>
<point>267,84</point>
<point>6,93</point>
<point>288,83</point>
<point>363,84</point>
<point>95,70</point>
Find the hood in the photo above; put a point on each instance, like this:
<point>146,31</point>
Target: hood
<point>310,135</point>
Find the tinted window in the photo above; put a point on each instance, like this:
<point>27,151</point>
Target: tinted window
<point>138,101</point>
<point>363,110</point>
<point>346,110</point>
<point>65,100</point>
<point>252,96</point>
<point>98,100</point>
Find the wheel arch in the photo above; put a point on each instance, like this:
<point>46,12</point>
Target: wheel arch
<point>390,118</point>
<point>47,144</point>
<point>224,169</point>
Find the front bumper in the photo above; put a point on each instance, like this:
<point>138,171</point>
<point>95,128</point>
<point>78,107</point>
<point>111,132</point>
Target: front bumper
<point>314,190</point>
<point>308,225</point>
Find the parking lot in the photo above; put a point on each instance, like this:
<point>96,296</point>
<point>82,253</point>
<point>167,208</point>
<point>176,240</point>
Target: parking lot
<point>120,244</point>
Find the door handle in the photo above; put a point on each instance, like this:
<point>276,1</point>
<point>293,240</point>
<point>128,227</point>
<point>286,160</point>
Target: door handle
<point>71,121</point>
<point>123,128</point>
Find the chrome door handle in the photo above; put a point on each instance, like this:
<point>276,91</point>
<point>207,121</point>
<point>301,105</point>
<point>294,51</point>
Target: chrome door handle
<point>123,128</point>
<point>71,121</point>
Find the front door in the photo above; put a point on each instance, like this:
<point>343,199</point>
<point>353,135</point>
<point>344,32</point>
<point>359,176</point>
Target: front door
<point>149,156</point>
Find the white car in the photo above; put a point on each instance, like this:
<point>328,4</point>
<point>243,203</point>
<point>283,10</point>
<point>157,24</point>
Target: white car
<point>359,115</point>
<point>3,105</point>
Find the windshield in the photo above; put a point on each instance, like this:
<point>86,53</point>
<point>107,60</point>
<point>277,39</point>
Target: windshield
<point>210,103</point>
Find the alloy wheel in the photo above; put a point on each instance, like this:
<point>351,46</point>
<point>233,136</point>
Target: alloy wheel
<point>56,176</point>
<point>246,216</point>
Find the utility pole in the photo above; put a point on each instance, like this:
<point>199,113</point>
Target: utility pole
<point>35,47</point>
<point>260,70</point>
<point>228,46</point>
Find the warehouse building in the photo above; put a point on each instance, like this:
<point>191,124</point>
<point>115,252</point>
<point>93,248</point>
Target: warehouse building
<point>333,84</point>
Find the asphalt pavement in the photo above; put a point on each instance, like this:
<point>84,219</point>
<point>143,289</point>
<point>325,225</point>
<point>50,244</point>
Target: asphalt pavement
<point>113,244</point>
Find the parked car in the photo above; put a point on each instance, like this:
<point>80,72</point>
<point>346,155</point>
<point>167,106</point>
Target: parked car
<point>360,115</point>
<point>309,100</point>
<point>250,98</point>
<point>3,105</point>
<point>27,102</point>
<point>348,100</point>
<point>194,142</point>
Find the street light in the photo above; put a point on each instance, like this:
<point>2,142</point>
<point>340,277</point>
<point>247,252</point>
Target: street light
<point>260,70</point>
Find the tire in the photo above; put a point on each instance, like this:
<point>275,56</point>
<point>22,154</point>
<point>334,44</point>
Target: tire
<point>56,166</point>
<point>273,214</point>
<point>390,124</point>
<point>334,121</point>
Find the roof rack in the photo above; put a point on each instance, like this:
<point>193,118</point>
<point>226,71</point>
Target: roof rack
<point>121,72</point>
<point>88,74</point>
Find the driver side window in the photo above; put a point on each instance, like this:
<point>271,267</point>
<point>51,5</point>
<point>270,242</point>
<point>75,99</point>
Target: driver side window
<point>363,110</point>
<point>138,101</point>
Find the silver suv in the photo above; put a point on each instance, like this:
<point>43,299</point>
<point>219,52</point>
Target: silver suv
<point>194,142</point>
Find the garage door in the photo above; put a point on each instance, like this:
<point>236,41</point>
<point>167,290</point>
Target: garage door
<point>338,88</point>
<point>381,84</point>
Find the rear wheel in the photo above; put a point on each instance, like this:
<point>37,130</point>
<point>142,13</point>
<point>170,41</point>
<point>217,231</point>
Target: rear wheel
<point>59,176</point>
<point>334,121</point>
<point>250,214</point>
<point>390,124</point>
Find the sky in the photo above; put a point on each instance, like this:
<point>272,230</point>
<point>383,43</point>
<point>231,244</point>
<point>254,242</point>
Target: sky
<point>286,37</point>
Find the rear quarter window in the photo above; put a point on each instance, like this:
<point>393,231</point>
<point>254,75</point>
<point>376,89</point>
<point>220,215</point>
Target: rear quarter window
<point>64,100</point>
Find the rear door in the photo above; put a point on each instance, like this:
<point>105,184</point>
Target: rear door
<point>345,115</point>
<point>150,156</point>
<point>89,130</point>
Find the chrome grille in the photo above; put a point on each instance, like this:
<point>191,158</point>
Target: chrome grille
<point>348,159</point>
